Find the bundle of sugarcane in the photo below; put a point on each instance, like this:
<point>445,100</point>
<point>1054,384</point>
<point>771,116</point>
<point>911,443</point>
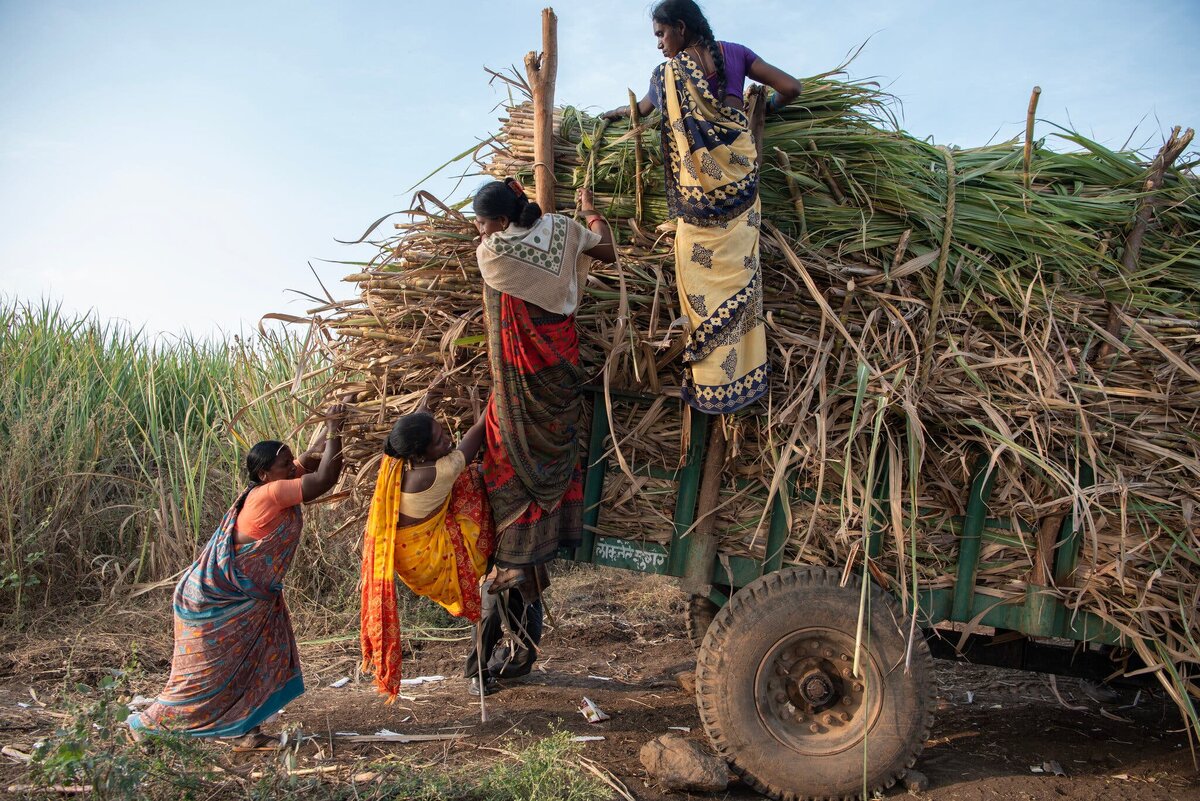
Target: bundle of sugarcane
<point>929,310</point>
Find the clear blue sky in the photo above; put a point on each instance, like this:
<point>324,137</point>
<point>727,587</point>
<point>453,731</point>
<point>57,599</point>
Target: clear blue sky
<point>177,165</point>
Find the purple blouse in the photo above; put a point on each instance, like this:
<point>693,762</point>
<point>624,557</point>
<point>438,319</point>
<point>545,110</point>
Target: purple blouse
<point>738,59</point>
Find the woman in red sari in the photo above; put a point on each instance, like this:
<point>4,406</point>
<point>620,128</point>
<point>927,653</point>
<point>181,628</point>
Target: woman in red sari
<point>534,266</point>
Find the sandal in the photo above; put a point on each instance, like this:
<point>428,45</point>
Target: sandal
<point>255,740</point>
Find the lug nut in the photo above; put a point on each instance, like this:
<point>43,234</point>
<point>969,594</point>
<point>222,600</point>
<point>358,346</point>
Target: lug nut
<point>814,728</point>
<point>846,672</point>
<point>845,657</point>
<point>847,700</point>
<point>830,719</point>
<point>845,717</point>
<point>828,653</point>
<point>858,688</point>
<point>780,698</point>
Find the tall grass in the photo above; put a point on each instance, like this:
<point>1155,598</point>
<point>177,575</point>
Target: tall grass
<point>120,449</point>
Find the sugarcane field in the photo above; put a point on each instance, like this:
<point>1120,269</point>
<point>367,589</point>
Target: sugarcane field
<point>397,405</point>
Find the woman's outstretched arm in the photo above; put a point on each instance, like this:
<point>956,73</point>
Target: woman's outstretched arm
<point>644,107</point>
<point>314,485</point>
<point>606,251</point>
<point>787,88</point>
<point>473,439</point>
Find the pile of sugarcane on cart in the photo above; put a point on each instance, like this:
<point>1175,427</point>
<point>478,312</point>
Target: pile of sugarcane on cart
<point>984,410</point>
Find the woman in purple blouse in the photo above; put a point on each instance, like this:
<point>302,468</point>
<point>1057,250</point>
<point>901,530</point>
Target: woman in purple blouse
<point>680,26</point>
<point>710,161</point>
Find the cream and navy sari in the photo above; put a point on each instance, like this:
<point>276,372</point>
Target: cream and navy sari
<point>712,191</point>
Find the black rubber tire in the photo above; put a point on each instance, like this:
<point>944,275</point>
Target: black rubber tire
<point>759,621</point>
<point>700,614</point>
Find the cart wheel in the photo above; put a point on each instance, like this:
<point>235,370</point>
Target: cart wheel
<point>779,700</point>
<point>700,614</point>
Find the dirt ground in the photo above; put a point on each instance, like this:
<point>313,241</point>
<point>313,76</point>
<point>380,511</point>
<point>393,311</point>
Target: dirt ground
<point>618,639</point>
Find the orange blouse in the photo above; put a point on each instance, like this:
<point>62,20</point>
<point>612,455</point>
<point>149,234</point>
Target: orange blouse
<point>267,504</point>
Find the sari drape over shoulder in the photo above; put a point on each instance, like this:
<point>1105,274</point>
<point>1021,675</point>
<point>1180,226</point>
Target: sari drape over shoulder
<point>712,190</point>
<point>442,558</point>
<point>235,662</point>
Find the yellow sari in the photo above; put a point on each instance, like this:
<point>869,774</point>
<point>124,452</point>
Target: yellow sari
<point>442,558</point>
<point>712,190</point>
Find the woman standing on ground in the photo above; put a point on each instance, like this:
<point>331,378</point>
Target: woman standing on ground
<point>534,267</point>
<point>711,165</point>
<point>235,662</point>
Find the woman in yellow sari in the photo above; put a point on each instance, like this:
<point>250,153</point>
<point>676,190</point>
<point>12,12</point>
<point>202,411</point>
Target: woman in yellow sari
<point>711,162</point>
<point>429,526</point>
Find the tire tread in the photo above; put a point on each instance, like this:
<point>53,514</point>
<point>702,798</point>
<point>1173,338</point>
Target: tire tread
<point>709,658</point>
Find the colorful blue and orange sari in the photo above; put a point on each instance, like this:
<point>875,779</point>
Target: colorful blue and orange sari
<point>235,662</point>
<point>712,190</point>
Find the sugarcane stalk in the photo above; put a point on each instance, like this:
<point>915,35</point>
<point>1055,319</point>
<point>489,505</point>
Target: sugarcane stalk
<point>785,164</point>
<point>639,155</point>
<point>826,175</point>
<point>1028,154</point>
<point>935,304</point>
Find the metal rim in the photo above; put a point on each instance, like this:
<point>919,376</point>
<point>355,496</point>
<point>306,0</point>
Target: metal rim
<point>807,696</point>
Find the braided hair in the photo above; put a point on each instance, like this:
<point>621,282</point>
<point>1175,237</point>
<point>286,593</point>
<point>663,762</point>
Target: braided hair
<point>674,12</point>
<point>506,198</point>
<point>259,460</point>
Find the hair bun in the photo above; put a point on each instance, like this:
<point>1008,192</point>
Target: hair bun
<point>529,214</point>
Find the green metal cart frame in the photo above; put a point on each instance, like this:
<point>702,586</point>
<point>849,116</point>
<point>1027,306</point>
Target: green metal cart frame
<point>1040,615</point>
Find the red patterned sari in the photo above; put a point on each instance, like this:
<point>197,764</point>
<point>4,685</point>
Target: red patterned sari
<point>531,468</point>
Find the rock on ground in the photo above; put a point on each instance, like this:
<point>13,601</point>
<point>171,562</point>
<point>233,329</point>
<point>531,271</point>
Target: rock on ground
<point>679,764</point>
<point>916,782</point>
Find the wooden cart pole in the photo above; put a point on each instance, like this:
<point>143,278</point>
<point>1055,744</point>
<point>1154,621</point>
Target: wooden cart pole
<point>541,70</point>
<point>702,552</point>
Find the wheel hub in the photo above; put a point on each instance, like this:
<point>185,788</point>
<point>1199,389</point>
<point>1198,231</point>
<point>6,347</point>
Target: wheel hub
<point>809,697</point>
<point>816,688</point>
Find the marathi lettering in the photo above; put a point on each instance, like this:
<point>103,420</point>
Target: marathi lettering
<point>619,551</point>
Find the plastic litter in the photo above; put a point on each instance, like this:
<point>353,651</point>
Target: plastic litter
<point>591,712</point>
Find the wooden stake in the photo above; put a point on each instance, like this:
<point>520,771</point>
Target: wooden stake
<point>483,718</point>
<point>1172,150</point>
<point>541,70</point>
<point>697,577</point>
<point>758,121</point>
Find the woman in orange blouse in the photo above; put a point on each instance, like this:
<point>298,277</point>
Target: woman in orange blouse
<point>235,662</point>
